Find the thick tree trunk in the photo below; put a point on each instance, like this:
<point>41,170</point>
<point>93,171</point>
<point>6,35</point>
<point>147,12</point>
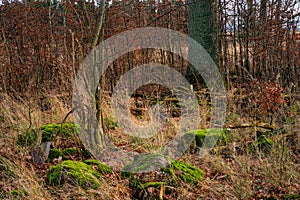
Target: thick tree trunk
<point>203,29</point>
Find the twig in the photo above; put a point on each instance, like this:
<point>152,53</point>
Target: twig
<point>255,124</point>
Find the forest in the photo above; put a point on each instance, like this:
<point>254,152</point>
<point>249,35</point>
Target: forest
<point>150,99</point>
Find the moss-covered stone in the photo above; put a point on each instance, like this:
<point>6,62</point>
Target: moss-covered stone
<point>145,163</point>
<point>69,151</point>
<point>184,171</point>
<point>102,168</point>
<point>54,153</point>
<point>48,132</point>
<point>65,130</point>
<point>74,172</point>
<point>86,154</point>
<point>154,162</point>
<point>219,135</point>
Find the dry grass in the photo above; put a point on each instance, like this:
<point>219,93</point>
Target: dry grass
<point>231,171</point>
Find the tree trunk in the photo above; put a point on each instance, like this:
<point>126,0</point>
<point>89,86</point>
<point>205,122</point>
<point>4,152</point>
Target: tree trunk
<point>203,29</point>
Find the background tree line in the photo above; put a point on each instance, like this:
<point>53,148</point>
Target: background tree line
<point>41,42</point>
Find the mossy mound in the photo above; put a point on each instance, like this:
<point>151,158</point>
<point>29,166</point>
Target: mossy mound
<point>151,184</point>
<point>211,135</point>
<point>102,168</point>
<point>54,153</point>
<point>86,154</point>
<point>69,151</point>
<point>66,153</point>
<point>74,172</point>
<point>65,130</point>
<point>146,177</point>
<point>184,171</point>
<point>154,162</point>
<point>145,163</point>
<point>48,132</point>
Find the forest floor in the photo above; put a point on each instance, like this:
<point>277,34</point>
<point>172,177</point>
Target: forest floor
<point>243,167</point>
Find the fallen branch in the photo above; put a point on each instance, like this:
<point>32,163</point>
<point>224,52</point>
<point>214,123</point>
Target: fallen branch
<point>255,124</point>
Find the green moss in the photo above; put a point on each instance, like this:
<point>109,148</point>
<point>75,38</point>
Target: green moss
<point>85,153</point>
<point>54,153</point>
<point>145,163</point>
<point>152,184</point>
<point>69,151</point>
<point>102,168</point>
<point>66,130</point>
<point>48,132</point>
<point>139,189</point>
<point>74,172</point>
<point>138,184</point>
<point>212,135</point>
<point>185,171</point>
<point>151,162</point>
